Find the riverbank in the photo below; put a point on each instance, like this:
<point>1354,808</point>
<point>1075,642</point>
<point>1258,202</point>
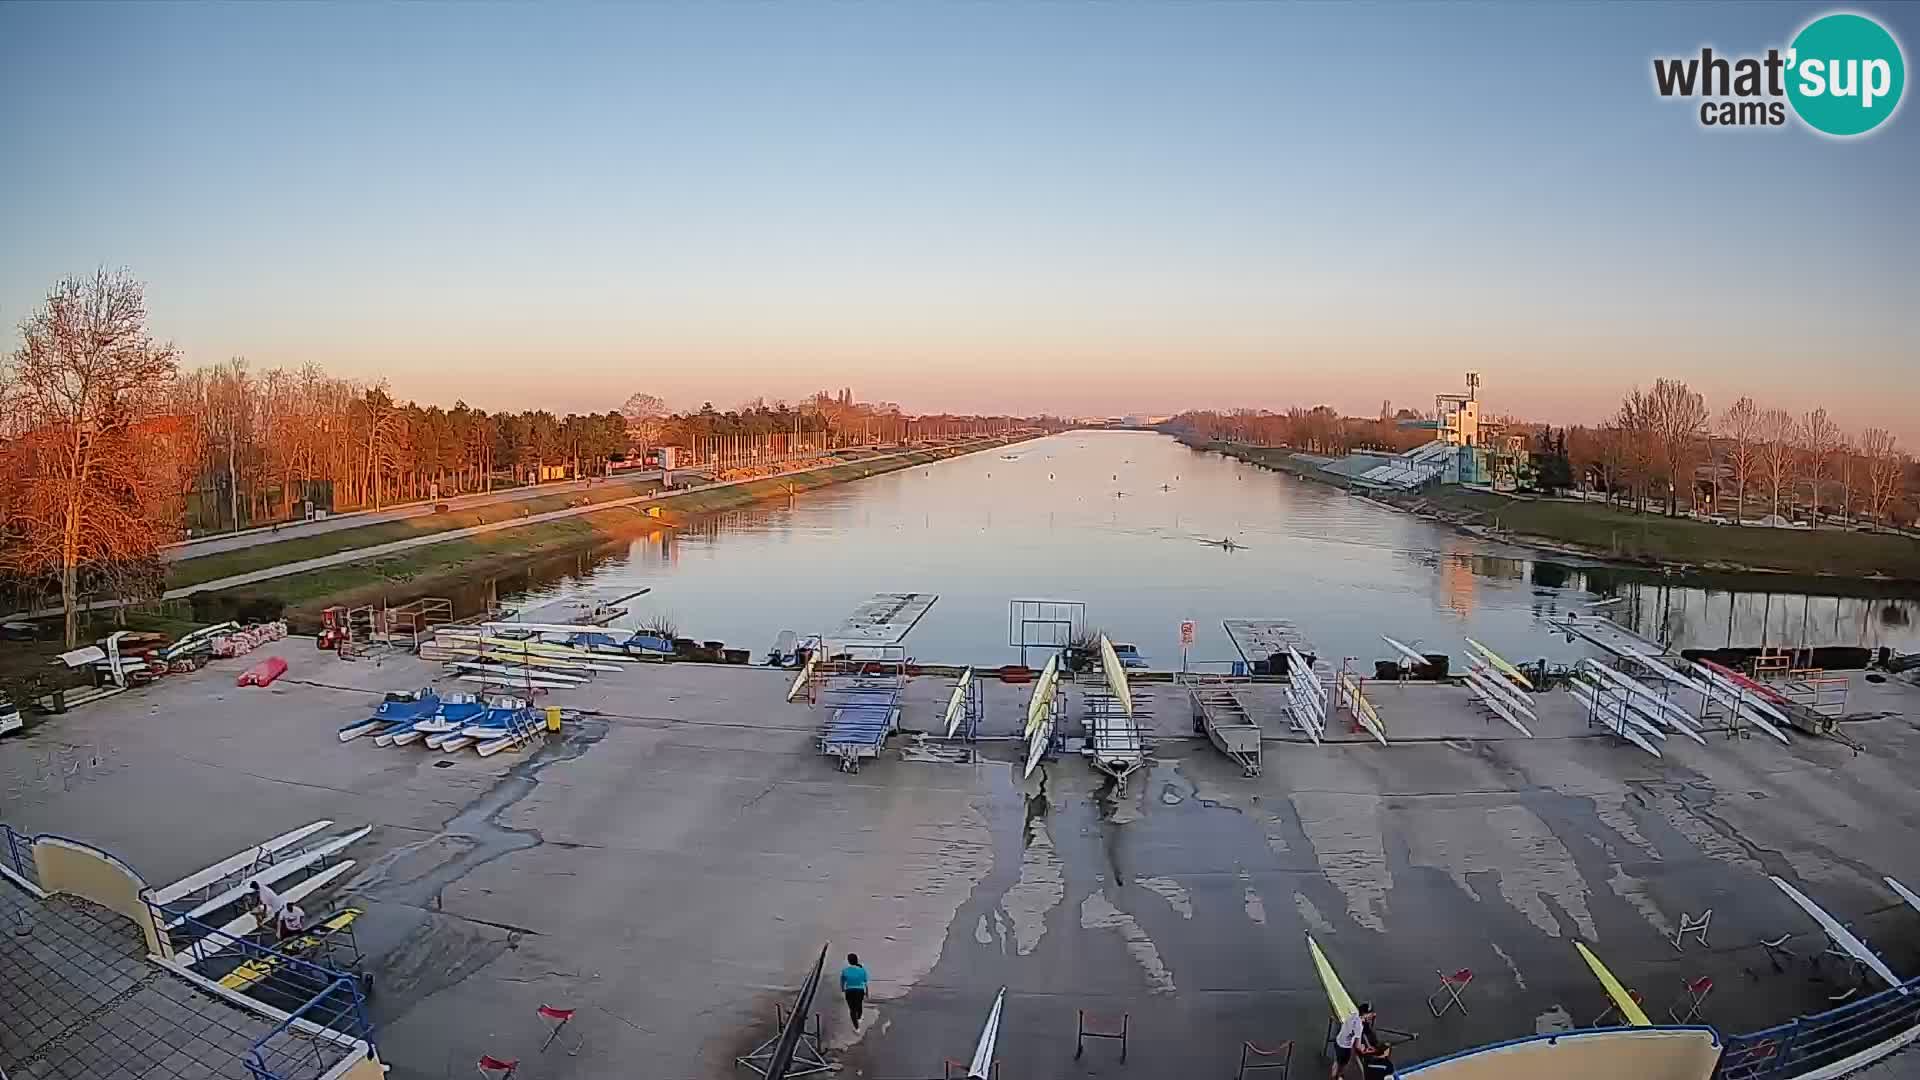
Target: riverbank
<point>431,567</point>
<point>1591,530</point>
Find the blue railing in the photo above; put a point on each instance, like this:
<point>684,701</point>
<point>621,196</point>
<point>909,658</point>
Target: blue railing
<point>313,994</point>
<point>16,852</point>
<point>1811,1042</point>
<point>292,1051</point>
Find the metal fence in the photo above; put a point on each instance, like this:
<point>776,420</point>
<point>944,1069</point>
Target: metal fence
<point>1825,1039</point>
<point>294,1050</point>
<point>16,853</point>
<point>327,1009</point>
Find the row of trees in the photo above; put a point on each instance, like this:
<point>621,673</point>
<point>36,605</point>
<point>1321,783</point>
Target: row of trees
<point>1664,444</point>
<point>111,449</point>
<point>271,439</point>
<point>1662,447</point>
<point>1318,430</point>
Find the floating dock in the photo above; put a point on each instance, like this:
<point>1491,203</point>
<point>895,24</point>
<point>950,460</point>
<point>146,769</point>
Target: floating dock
<point>884,619</point>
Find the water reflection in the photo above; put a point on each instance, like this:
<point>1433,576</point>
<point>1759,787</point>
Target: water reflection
<point>1133,524</point>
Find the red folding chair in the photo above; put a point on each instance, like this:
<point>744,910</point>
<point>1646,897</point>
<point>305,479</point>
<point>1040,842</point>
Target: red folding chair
<point>489,1065</point>
<point>1448,995</point>
<point>559,1019</point>
<point>1613,1011</point>
<point>1691,1003</point>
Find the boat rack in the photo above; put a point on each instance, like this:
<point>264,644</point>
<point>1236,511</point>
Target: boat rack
<point>861,698</point>
<point>1115,743</point>
<point>1221,713</point>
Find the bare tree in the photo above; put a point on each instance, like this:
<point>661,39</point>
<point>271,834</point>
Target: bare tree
<point>1886,468</point>
<point>1740,424</point>
<point>1677,418</point>
<point>1819,436</point>
<point>1779,433</point>
<point>84,388</point>
<point>1843,447</point>
<point>644,413</point>
<point>1638,452</point>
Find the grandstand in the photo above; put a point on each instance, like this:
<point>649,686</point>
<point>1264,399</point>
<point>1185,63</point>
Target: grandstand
<point>1415,468</point>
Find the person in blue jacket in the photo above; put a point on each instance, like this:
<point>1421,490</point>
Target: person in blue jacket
<point>853,983</point>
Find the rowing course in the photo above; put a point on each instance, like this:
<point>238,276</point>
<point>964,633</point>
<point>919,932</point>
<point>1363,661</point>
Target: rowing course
<point>593,872</point>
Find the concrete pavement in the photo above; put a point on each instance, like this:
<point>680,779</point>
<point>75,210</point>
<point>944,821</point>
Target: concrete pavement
<point>671,863</point>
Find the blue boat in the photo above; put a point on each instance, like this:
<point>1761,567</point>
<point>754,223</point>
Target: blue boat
<point>401,707</point>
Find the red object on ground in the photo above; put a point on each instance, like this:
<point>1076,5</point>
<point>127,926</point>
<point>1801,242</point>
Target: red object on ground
<point>491,1064</point>
<point>1747,682</point>
<point>262,673</point>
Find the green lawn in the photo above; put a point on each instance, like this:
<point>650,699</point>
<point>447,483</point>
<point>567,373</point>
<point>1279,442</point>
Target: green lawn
<point>417,569</point>
<point>1652,536</point>
<point>260,556</point>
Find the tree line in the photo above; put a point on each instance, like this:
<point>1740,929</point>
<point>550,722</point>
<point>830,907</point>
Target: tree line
<point>113,448</point>
<point>1662,449</point>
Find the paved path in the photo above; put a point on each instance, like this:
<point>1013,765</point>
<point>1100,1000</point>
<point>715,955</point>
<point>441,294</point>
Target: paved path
<point>209,545</point>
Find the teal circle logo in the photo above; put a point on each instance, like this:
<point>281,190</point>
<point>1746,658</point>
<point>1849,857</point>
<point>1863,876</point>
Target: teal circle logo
<point>1845,74</point>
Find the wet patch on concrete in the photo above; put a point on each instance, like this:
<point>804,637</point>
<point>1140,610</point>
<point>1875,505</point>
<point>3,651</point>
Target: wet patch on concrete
<point>1512,843</point>
<point>1040,888</point>
<point>1311,915</point>
<point>418,873</point>
<point>1099,913</point>
<point>1345,833</point>
<point>1519,980</point>
<point>1169,890</point>
<point>1634,891</point>
<point>1614,811</point>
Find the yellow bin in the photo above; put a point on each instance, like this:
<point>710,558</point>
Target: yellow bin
<point>553,718</point>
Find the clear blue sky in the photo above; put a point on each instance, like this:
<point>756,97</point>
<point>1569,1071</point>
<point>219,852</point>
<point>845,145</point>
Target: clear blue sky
<point>1068,206</point>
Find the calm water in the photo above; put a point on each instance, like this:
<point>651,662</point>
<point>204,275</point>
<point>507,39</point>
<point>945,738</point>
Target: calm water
<point>1118,520</point>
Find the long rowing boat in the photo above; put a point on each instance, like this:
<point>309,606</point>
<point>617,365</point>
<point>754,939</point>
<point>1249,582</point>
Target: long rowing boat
<point>1618,994</point>
<point>1500,664</point>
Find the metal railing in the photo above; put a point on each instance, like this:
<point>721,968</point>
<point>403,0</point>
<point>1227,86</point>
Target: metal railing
<point>294,1050</point>
<point>16,853</point>
<point>1813,1042</point>
<point>314,995</point>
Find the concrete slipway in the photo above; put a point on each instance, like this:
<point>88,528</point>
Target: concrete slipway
<point>671,864</point>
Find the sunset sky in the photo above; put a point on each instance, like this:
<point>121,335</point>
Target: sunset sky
<point>1069,207</point>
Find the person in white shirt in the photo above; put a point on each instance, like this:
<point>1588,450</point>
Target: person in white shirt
<point>287,916</point>
<point>1351,1039</point>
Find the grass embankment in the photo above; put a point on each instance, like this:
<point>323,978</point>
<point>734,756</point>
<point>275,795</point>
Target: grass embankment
<point>279,552</point>
<point>418,571</point>
<point>1610,532</point>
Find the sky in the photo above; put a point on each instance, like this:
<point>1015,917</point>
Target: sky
<point>1077,208</point>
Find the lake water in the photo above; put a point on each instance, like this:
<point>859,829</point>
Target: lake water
<point>1120,521</point>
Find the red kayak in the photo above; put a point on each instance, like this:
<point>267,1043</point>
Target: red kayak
<point>1747,683</point>
<point>262,673</point>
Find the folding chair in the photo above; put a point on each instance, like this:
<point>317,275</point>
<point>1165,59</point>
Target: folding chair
<point>1252,1053</point>
<point>1448,994</point>
<point>1695,927</point>
<point>559,1018</point>
<point>490,1065</point>
<point>1613,1011</point>
<point>1085,1033</point>
<point>1688,1008</point>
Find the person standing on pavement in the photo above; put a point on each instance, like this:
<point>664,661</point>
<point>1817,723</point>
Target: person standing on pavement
<point>1351,1039</point>
<point>853,983</point>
